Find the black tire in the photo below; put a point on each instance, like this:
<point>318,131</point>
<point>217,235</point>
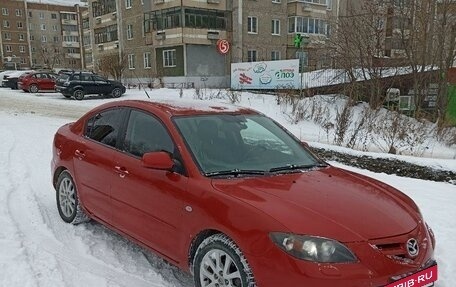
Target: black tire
<point>68,200</point>
<point>78,95</point>
<point>33,89</point>
<point>116,93</point>
<point>222,246</point>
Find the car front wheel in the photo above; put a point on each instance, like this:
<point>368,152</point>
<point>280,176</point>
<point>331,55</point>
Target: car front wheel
<point>220,262</point>
<point>116,93</point>
<point>68,200</point>
<point>78,95</point>
<point>33,89</point>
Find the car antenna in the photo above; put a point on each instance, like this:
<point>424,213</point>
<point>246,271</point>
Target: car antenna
<point>140,84</point>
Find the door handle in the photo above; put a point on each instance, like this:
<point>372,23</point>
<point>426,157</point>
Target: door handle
<point>79,154</point>
<point>122,171</point>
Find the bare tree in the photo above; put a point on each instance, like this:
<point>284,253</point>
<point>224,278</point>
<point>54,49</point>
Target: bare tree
<point>50,55</point>
<point>113,64</point>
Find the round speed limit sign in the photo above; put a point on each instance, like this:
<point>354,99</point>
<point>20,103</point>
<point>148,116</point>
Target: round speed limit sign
<point>223,46</point>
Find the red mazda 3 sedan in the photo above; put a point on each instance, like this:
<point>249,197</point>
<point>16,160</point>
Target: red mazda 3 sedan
<point>231,196</point>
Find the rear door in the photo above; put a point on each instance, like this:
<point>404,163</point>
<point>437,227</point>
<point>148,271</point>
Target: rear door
<point>147,203</point>
<point>94,161</point>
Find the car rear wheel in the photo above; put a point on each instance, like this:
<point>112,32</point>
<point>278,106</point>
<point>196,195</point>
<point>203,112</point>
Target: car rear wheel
<point>33,89</point>
<point>220,262</point>
<point>116,93</point>
<point>68,200</point>
<point>78,95</point>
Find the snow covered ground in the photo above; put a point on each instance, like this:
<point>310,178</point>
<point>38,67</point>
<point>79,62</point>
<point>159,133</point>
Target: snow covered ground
<point>39,249</point>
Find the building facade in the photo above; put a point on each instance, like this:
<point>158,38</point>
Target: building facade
<point>156,39</point>
<point>14,40</point>
<point>36,35</point>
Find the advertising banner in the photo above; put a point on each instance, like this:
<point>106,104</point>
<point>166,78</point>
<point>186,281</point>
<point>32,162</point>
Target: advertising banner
<point>265,75</point>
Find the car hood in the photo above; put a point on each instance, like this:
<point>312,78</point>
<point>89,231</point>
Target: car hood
<point>329,202</point>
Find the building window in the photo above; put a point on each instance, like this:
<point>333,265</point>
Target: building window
<point>30,14</point>
<point>275,1</point>
<point>5,11</point>
<point>169,58</point>
<point>43,39</point>
<point>19,25</point>
<point>275,27</point>
<point>131,61</point>
<point>7,36</point>
<point>252,25</point>
<point>22,49</point>
<point>251,56</point>
<point>23,60</point>
<point>147,61</point>
<point>53,16</point>
<point>41,15</point>
<point>106,34</point>
<point>8,48</point>
<point>307,25</point>
<point>128,4</point>
<point>21,37</point>
<point>54,27</point>
<point>56,39</point>
<point>103,7</point>
<point>6,24</point>
<point>129,32</point>
<point>43,27</point>
<point>275,55</point>
<point>18,12</point>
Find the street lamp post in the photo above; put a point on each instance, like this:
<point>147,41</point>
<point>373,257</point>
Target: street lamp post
<point>300,41</point>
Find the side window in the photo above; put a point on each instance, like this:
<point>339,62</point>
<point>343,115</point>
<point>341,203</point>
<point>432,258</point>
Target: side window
<point>86,78</point>
<point>105,126</point>
<point>145,134</point>
<point>98,78</point>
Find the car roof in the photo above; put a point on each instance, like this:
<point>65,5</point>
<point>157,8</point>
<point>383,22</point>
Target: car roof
<point>183,107</point>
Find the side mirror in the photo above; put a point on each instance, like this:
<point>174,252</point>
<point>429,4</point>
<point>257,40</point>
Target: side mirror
<point>157,160</point>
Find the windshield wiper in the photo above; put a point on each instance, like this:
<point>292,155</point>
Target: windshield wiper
<point>296,167</point>
<point>235,172</point>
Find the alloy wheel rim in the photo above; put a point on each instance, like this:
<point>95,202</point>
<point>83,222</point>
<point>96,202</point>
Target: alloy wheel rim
<point>116,92</point>
<point>218,269</point>
<point>78,94</point>
<point>34,89</point>
<point>67,200</point>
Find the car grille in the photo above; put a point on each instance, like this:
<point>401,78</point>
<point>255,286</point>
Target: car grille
<point>396,247</point>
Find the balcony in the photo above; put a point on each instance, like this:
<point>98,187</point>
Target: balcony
<point>70,33</point>
<point>73,56</point>
<point>69,22</point>
<point>70,44</point>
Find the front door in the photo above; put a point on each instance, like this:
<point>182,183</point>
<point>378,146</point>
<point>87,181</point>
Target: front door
<point>94,162</point>
<point>147,203</point>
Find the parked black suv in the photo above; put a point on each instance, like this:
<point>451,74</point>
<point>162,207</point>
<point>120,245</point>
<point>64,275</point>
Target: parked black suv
<point>79,84</point>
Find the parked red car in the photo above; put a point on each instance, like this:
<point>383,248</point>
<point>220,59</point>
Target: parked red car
<point>38,81</point>
<point>231,196</point>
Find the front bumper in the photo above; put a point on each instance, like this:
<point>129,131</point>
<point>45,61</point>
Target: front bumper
<point>375,267</point>
<point>63,90</point>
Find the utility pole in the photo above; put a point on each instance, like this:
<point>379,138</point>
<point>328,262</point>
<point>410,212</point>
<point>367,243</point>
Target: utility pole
<point>300,41</point>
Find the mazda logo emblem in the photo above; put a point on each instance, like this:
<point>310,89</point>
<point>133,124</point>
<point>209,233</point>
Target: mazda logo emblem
<point>412,247</point>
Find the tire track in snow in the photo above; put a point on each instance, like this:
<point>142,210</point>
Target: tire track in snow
<point>8,143</point>
<point>42,236</point>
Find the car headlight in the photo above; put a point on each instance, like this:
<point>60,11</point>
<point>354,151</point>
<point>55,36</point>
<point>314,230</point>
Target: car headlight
<point>66,84</point>
<point>312,248</point>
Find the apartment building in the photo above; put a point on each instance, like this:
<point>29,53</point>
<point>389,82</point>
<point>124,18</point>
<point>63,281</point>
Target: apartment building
<point>39,35</point>
<point>14,40</point>
<point>177,38</point>
<point>55,39</point>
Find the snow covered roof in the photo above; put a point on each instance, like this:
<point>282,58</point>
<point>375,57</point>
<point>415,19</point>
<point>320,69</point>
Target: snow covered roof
<point>58,2</point>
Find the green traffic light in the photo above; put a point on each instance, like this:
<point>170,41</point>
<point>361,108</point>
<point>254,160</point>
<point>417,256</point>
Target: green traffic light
<point>297,40</point>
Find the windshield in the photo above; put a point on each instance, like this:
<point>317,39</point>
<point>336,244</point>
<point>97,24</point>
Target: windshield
<point>241,144</point>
